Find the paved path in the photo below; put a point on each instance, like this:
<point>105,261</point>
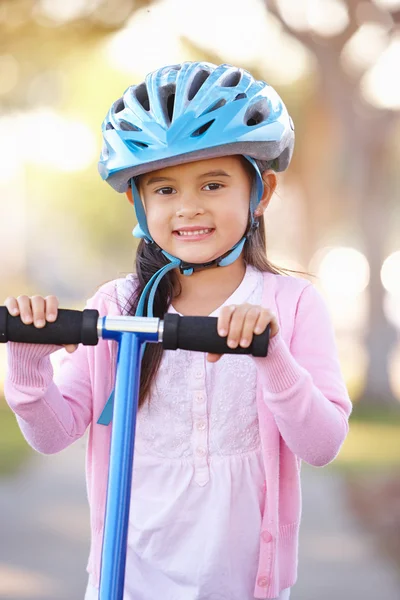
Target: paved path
<point>44,537</point>
<point>45,530</point>
<point>338,558</point>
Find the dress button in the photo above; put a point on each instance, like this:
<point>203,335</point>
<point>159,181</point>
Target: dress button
<point>198,374</point>
<point>199,398</point>
<point>266,537</point>
<point>201,425</point>
<point>262,581</point>
<point>200,452</point>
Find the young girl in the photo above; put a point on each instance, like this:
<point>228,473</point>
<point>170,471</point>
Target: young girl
<point>216,498</point>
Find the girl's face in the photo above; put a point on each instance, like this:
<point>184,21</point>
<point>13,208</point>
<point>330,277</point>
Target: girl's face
<point>198,211</point>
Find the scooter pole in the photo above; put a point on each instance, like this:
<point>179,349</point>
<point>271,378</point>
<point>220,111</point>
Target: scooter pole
<point>120,469</point>
<point>115,536</point>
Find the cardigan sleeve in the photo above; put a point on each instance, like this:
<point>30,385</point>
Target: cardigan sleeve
<point>303,385</point>
<point>54,411</point>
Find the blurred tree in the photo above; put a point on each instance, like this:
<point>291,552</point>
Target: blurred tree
<point>35,35</point>
<point>52,59</point>
<point>366,147</point>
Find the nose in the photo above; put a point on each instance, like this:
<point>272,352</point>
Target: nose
<point>189,207</point>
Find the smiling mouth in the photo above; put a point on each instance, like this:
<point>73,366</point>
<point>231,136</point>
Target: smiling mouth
<point>193,232</point>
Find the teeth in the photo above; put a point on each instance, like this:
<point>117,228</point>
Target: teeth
<point>198,232</point>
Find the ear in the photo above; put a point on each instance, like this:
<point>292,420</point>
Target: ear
<point>129,195</point>
<point>270,182</point>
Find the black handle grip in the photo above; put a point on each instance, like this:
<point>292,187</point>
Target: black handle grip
<point>201,334</point>
<point>71,327</point>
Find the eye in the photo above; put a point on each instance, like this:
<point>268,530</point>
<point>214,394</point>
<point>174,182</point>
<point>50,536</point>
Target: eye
<point>165,191</point>
<point>212,187</point>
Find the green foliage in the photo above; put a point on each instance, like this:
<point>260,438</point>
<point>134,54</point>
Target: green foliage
<point>373,442</point>
<point>373,412</point>
<point>14,450</point>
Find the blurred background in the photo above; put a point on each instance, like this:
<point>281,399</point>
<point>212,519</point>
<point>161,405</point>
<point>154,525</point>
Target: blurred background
<point>336,216</point>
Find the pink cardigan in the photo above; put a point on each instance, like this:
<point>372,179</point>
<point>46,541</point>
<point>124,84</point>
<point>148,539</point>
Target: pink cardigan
<point>302,403</point>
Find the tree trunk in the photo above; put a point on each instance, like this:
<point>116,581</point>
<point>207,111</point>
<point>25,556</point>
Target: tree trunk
<point>367,203</point>
<point>376,221</point>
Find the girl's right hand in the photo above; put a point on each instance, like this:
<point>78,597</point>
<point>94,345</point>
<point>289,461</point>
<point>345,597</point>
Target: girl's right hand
<point>36,310</point>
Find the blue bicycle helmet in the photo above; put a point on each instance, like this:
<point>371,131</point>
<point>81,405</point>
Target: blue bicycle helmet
<point>187,112</point>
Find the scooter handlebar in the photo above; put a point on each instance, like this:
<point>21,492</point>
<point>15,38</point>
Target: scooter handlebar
<point>70,327</point>
<point>82,327</point>
<point>201,334</point>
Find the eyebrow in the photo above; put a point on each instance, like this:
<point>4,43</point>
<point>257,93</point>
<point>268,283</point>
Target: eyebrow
<point>218,173</point>
<point>158,179</point>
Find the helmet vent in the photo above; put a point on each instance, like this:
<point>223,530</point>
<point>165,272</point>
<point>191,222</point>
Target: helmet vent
<point>231,79</point>
<point>201,130</point>
<point>119,105</point>
<point>240,96</point>
<point>134,144</point>
<point>125,126</point>
<point>257,113</point>
<point>142,96</point>
<point>216,105</point>
<point>110,126</point>
<point>167,100</point>
<point>170,106</point>
<point>197,82</point>
<point>255,119</point>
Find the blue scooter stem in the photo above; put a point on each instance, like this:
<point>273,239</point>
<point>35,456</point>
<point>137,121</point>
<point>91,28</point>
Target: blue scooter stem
<point>121,464</point>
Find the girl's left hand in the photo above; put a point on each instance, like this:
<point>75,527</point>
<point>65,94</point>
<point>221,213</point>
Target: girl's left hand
<point>240,323</point>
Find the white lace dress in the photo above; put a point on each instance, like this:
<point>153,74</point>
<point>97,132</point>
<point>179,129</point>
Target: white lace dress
<point>198,482</point>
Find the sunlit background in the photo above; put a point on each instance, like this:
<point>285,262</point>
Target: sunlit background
<point>336,214</point>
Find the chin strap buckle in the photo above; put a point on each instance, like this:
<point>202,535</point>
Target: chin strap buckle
<point>187,268</point>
